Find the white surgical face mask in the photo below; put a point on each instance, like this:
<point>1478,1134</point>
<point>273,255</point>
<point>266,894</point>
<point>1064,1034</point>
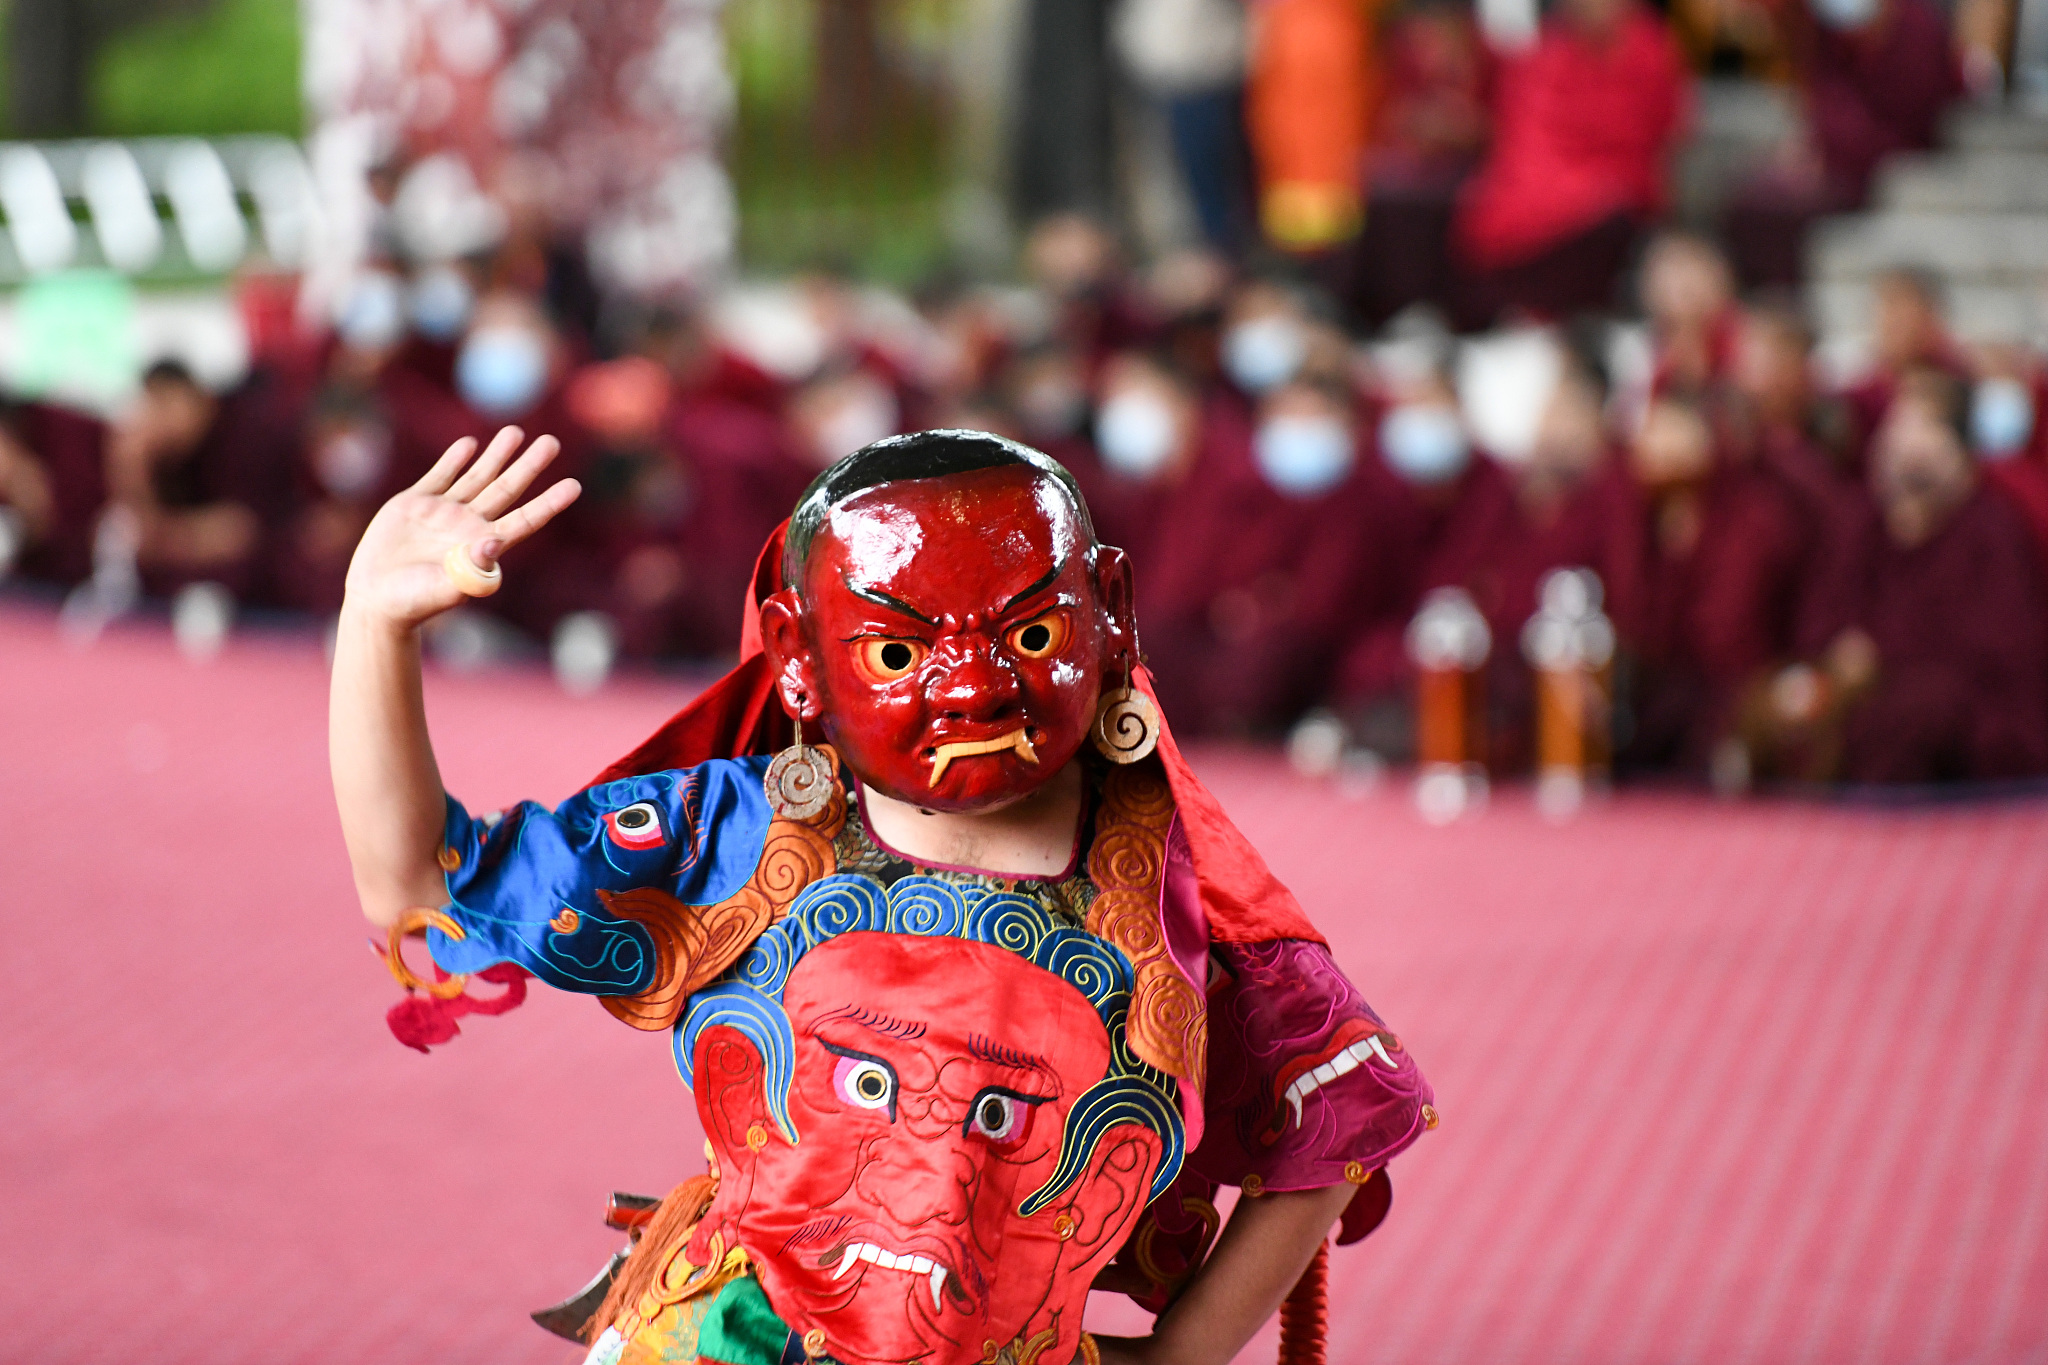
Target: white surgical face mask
<point>2001,418</point>
<point>373,314</point>
<point>1264,353</point>
<point>502,371</point>
<point>1845,14</point>
<point>1134,434</point>
<point>441,300</point>
<point>1303,456</point>
<point>1424,443</point>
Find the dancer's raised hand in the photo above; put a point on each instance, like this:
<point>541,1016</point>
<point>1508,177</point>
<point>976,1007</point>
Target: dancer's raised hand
<point>403,571</point>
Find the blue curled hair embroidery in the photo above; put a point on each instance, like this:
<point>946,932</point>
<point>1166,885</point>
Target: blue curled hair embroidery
<point>748,998</point>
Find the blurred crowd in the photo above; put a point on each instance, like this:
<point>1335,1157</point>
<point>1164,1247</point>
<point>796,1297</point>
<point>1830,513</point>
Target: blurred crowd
<point>1845,581</point>
<point>1435,151</point>
<point>1808,580</point>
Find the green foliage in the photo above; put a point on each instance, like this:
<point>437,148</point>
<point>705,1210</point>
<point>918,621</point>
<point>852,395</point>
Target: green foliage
<point>232,69</point>
<point>810,194</point>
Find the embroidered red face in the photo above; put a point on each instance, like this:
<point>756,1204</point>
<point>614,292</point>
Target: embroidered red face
<point>893,1226</point>
<point>951,635</point>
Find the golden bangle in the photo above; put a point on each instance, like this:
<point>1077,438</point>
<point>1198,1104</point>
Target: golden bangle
<point>417,921</point>
<point>468,579</point>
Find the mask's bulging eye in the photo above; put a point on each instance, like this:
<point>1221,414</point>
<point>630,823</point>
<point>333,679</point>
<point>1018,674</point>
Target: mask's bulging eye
<point>1041,638</point>
<point>637,826</point>
<point>1000,1118</point>
<point>864,1082</point>
<point>885,660</point>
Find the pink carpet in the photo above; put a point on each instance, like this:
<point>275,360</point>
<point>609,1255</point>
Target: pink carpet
<point>1757,1083</point>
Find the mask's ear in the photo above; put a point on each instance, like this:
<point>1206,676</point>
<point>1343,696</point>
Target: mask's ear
<point>1115,591</point>
<point>789,654</point>
<point>1104,1205</point>
<point>1109,1197</point>
<point>731,1104</point>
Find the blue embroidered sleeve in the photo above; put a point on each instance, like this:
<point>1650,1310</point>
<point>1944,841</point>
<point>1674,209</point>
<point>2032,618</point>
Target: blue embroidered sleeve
<point>524,886</point>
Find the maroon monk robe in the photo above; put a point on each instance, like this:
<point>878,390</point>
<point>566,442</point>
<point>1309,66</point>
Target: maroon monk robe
<point>1246,598</point>
<point>1961,627</point>
<point>547,577</point>
<point>1455,531</point>
<point>1831,511</point>
<point>2023,484</point>
<point>250,455</point>
<point>1711,615</point>
<point>71,448</point>
<point>1501,557</point>
<point>1128,513</point>
<point>741,478</point>
<point>1876,91</point>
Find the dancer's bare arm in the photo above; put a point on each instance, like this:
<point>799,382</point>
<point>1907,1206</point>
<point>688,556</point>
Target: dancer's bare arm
<point>385,781</point>
<point>1262,1252</point>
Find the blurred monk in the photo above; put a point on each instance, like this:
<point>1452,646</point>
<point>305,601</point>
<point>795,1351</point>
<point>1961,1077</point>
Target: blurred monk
<point>1285,542</point>
<point>1720,587</point>
<point>1946,675</point>
<point>210,480</point>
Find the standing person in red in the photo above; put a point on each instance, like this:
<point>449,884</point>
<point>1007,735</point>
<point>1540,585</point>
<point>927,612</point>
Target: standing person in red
<point>1584,124</point>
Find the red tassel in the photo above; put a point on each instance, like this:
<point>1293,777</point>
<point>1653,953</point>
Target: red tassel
<point>512,977</point>
<point>1305,1316</point>
<point>422,1021</point>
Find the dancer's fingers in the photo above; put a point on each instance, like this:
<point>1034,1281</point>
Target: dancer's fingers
<point>521,522</point>
<point>437,479</point>
<point>479,475</point>
<point>507,487</point>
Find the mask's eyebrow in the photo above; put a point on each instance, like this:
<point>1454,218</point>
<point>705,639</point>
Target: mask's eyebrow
<point>989,1050</point>
<point>882,599</point>
<point>1040,586</point>
<point>875,1022</point>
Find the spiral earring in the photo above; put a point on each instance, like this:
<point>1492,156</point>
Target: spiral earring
<point>800,780</point>
<point>1126,725</point>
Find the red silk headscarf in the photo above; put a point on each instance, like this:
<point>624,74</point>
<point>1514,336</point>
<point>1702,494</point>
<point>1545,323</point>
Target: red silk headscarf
<point>740,715</point>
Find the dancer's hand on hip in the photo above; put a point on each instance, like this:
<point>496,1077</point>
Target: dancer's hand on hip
<point>438,543</point>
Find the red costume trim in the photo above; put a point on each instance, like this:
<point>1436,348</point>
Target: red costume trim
<point>739,715</point>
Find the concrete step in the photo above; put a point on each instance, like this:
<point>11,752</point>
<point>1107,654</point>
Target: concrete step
<point>1987,129</point>
<point>1991,180</point>
<point>1736,126</point>
<point>2008,249</point>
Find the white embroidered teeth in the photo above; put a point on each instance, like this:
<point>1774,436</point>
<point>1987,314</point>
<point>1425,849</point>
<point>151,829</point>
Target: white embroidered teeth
<point>1343,1063</point>
<point>888,1260</point>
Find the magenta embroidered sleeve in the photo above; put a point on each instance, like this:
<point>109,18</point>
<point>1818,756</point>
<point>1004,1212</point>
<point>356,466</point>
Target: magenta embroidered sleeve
<point>1307,1086</point>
